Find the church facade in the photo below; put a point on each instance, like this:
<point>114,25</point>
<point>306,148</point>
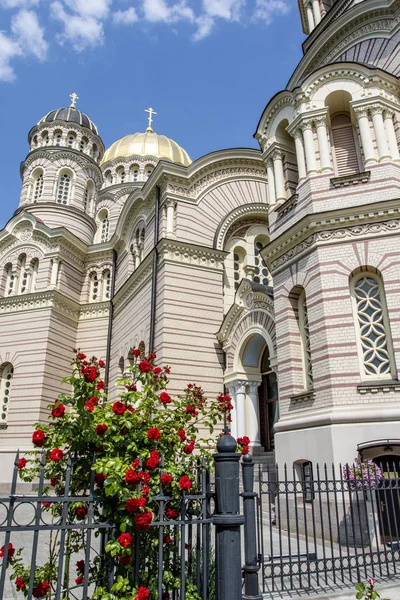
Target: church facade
<point>272,273</point>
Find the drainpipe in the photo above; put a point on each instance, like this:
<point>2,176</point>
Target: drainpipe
<point>110,322</point>
<point>154,271</point>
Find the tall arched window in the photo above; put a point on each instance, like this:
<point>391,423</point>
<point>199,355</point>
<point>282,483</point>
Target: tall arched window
<point>45,138</point>
<point>261,273</point>
<point>121,175</point>
<point>71,140</point>
<point>83,144</point>
<point>148,170</point>
<point>344,145</point>
<point>23,275</point>
<point>302,316</point>
<point>37,184</point>
<point>7,372</point>
<point>105,227</point>
<point>239,256</point>
<point>10,279</point>
<point>64,187</point>
<point>94,287</point>
<point>372,326</point>
<point>57,136</point>
<point>34,272</point>
<point>108,177</point>
<point>88,196</point>
<point>134,173</point>
<point>106,285</point>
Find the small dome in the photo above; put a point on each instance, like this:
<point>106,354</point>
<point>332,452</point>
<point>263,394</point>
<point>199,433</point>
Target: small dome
<point>147,144</point>
<point>70,115</point>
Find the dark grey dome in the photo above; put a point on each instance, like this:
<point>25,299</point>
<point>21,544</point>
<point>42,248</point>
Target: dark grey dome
<point>70,115</point>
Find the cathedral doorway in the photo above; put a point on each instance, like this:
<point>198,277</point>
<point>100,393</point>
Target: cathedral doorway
<point>388,498</point>
<point>268,402</point>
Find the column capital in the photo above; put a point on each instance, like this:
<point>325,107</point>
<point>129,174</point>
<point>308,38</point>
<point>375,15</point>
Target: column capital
<point>307,123</point>
<point>320,120</point>
<point>361,111</point>
<point>376,109</point>
<point>277,154</point>
<point>240,386</point>
<point>253,386</point>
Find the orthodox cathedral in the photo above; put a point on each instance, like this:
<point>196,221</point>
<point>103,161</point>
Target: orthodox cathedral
<point>272,273</point>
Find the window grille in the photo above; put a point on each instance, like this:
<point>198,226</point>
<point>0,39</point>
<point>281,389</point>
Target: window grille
<point>372,329</point>
<point>106,285</point>
<point>5,389</point>
<point>64,185</point>
<point>105,228</point>
<point>261,273</point>
<point>94,291</point>
<point>38,187</point>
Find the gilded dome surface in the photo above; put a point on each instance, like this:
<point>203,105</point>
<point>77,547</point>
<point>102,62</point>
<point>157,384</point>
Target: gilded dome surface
<point>147,144</point>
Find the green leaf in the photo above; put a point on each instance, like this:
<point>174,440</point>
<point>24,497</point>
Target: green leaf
<point>360,587</point>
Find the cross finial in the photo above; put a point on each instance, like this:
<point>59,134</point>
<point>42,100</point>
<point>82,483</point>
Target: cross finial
<point>74,97</point>
<point>151,113</point>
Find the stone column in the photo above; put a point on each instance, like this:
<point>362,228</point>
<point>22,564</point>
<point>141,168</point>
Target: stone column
<point>310,18</point>
<point>170,218</point>
<point>54,271</point>
<point>365,133</point>
<point>309,148</point>
<point>240,405</point>
<point>391,135</point>
<point>233,424</point>
<point>279,177</point>
<point>253,421</point>
<point>324,153</point>
<point>301,160</point>
<point>380,132</point>
<point>316,11</point>
<point>271,183</point>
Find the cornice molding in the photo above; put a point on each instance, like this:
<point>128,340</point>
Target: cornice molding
<point>55,153</point>
<point>190,254</point>
<point>94,310</point>
<point>38,301</point>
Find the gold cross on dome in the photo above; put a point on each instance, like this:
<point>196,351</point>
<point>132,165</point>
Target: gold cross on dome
<point>151,113</point>
<point>74,97</point>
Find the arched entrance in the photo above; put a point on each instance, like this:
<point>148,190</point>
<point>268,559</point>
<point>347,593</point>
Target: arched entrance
<point>267,402</point>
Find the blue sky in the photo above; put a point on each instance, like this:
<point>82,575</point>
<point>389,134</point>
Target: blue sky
<point>208,67</point>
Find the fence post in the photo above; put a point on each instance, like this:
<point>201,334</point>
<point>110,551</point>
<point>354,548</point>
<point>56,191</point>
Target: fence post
<point>227,520</point>
<point>251,567</point>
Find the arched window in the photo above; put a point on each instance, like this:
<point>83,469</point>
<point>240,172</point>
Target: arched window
<point>106,285</point>
<point>94,287</point>
<point>64,187</point>
<point>372,326</point>
<point>239,256</point>
<point>88,196</point>
<point>302,319</point>
<point>95,152</point>
<point>344,145</point>
<point>71,140</point>
<point>121,175</point>
<point>142,348</point>
<point>134,173</point>
<point>34,272</point>
<point>121,364</point>
<point>45,138</point>
<point>83,144</point>
<point>108,177</point>
<point>10,279</point>
<point>148,170</point>
<point>7,372</point>
<point>57,136</point>
<point>23,273</point>
<point>105,227</point>
<point>261,273</point>
<point>35,141</point>
<point>37,184</point>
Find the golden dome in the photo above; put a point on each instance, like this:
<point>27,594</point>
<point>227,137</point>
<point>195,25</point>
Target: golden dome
<point>147,144</point>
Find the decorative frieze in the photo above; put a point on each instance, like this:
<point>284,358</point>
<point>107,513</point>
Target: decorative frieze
<point>39,301</point>
<point>184,253</point>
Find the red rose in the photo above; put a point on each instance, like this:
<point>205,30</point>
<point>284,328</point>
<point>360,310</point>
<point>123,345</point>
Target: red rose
<point>125,539</point>
<point>89,373</point>
<point>124,560</point>
<point>130,408</point>
<point>89,405</point>
<point>38,438</point>
<point>187,547</point>
<point>100,385</point>
<point>46,505</point>
<point>101,429</point>
<point>157,370</point>
<point>79,580</point>
<point>167,539</point>
<point>142,593</point>
<point>154,434</point>
<point>167,369</point>
<point>132,478</point>
<point>135,463</point>
<point>119,408</point>
<point>152,463</point>
<point>136,352</point>
<point>102,364</point>
<point>181,435</point>
<point>53,481</point>
<point>21,464</point>
<point>166,479</point>
<point>188,449</point>
<point>245,450</point>
<point>133,504</point>
<point>81,356</point>
<point>185,483</point>
<point>145,490</point>
<point>144,477</point>
<point>165,398</point>
<point>143,520</point>
<point>58,410</point>
<point>56,454</point>
<point>80,566</point>
<point>170,513</point>
<point>243,441</point>
<point>100,478</point>
<point>131,387</point>
<point>11,551</point>
<point>41,589</point>
<point>191,410</point>
<point>81,511</point>
<point>145,366</point>
<point>19,584</point>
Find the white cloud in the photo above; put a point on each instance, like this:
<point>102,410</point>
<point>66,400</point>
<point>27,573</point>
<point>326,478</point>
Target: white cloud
<point>82,30</point>
<point>266,9</point>
<point>8,50</point>
<point>224,9</point>
<point>160,11</point>
<point>97,9</point>
<point>30,35</point>
<point>18,3</point>
<point>125,17</point>
<point>205,24</point>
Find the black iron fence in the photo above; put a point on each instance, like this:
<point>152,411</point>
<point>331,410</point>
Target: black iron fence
<point>320,528</point>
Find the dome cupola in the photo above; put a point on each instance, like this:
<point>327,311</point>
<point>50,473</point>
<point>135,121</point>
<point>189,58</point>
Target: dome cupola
<point>70,115</point>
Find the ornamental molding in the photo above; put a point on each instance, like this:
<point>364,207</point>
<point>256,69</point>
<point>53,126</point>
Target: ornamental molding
<point>32,250</point>
<point>51,299</point>
<point>94,310</point>
<point>241,212</point>
<point>71,155</point>
<point>189,254</point>
<point>339,234</point>
<point>51,125</point>
<point>286,100</point>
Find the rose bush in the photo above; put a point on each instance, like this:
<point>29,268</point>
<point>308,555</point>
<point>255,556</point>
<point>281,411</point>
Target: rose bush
<point>145,443</point>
